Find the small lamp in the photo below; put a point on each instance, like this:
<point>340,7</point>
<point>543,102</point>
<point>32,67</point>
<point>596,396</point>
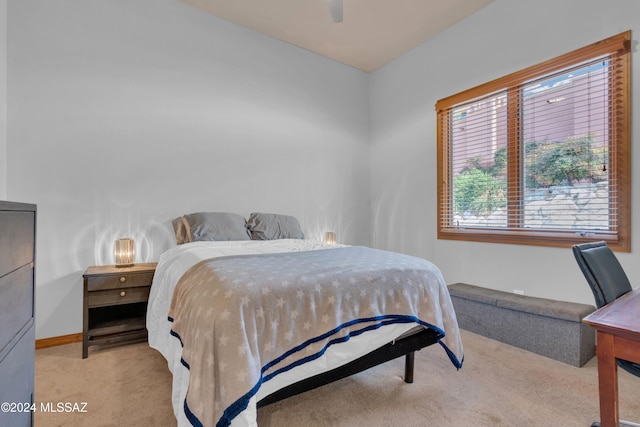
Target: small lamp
<point>330,237</point>
<point>124,252</point>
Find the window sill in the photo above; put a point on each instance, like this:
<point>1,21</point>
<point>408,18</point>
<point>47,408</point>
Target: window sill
<point>560,239</point>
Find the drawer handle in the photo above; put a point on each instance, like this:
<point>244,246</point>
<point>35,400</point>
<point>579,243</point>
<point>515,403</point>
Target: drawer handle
<point>122,293</point>
<point>123,279</point>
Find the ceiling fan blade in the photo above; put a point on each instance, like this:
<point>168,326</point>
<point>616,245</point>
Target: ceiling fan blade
<point>335,7</point>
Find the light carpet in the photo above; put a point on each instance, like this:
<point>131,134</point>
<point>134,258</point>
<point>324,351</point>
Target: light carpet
<point>499,385</point>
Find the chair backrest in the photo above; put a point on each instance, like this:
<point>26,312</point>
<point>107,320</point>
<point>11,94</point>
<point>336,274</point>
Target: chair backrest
<point>602,270</point>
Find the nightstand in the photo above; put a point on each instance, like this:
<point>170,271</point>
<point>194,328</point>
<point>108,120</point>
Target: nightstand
<point>115,304</point>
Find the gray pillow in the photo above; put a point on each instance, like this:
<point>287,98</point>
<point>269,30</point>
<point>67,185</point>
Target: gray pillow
<point>264,226</point>
<point>204,226</point>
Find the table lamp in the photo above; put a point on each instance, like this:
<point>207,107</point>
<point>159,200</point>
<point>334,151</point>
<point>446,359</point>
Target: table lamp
<point>124,252</point>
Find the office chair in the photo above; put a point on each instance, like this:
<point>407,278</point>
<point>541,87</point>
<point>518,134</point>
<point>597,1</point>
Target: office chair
<point>608,282</point>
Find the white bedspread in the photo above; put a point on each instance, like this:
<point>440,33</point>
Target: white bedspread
<point>176,261</point>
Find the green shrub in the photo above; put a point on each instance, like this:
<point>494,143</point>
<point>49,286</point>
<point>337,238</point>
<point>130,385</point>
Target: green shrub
<point>564,162</point>
<point>480,189</point>
<point>476,191</point>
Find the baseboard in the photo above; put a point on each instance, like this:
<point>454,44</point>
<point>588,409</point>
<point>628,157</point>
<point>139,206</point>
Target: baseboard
<point>62,340</point>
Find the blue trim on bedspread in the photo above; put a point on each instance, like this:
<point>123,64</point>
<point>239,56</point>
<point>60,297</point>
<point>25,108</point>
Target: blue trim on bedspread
<point>243,402</point>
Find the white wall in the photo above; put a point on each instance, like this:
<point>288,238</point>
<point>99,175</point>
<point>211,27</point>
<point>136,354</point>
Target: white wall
<point>506,36</point>
<point>3,99</point>
<point>125,114</point>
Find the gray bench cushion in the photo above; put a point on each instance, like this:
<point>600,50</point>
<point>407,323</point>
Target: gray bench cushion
<point>541,306</point>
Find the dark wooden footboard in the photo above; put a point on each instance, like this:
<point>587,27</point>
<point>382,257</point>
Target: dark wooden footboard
<point>402,347</point>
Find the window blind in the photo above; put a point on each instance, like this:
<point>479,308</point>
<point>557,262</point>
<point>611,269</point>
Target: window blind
<point>543,152</point>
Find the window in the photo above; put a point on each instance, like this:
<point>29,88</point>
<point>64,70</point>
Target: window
<point>541,156</point>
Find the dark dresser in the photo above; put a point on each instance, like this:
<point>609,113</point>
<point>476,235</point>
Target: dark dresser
<point>17,326</point>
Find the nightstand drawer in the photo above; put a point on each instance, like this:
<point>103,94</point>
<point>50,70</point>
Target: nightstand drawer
<point>125,280</point>
<point>118,296</point>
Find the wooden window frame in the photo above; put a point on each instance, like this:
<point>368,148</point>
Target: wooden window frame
<point>619,49</point>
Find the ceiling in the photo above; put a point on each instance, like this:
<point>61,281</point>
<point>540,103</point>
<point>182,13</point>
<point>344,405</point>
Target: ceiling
<point>373,32</point>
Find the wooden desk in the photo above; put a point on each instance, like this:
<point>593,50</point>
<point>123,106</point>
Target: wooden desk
<point>617,325</point>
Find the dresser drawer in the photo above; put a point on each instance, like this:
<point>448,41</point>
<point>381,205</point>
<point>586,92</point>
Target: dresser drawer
<point>101,283</point>
<point>16,302</point>
<point>118,296</point>
<point>17,377</point>
<point>17,234</point>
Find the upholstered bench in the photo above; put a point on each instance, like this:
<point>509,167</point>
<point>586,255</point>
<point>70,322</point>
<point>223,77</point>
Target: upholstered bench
<point>543,326</point>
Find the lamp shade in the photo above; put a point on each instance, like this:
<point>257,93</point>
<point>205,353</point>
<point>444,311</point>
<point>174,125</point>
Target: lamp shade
<point>124,252</point>
<point>330,237</point>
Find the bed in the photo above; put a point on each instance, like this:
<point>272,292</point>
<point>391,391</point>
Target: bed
<point>249,313</point>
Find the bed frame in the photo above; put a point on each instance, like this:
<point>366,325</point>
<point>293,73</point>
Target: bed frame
<point>406,346</point>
